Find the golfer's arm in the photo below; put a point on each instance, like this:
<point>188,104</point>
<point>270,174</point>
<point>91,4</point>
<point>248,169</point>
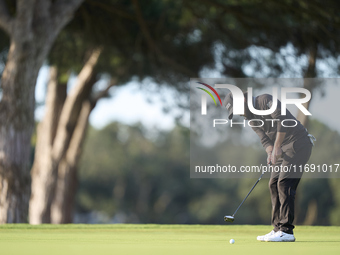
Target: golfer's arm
<point>265,140</point>
<point>269,149</point>
<point>280,136</point>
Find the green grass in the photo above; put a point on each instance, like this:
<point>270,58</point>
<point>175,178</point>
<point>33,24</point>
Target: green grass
<point>161,239</point>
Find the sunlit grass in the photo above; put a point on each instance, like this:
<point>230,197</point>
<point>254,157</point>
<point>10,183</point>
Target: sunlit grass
<point>161,239</point>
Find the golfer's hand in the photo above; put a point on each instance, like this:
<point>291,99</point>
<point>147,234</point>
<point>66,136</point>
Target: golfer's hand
<point>269,158</point>
<point>276,154</point>
<point>269,151</point>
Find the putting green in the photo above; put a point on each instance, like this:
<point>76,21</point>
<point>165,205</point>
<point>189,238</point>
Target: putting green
<point>161,239</point>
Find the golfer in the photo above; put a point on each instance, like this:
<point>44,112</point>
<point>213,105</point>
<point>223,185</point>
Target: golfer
<point>287,144</point>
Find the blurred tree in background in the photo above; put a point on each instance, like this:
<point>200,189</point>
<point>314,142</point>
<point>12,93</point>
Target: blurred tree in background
<point>132,174</point>
<point>119,53</point>
<point>32,26</point>
<point>111,42</point>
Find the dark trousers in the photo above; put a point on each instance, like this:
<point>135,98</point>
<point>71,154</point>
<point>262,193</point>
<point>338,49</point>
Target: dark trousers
<point>283,185</point>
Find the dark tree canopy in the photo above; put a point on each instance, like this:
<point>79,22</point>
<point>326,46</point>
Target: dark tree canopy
<point>173,40</point>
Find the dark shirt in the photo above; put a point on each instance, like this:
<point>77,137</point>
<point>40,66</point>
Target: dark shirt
<point>267,132</point>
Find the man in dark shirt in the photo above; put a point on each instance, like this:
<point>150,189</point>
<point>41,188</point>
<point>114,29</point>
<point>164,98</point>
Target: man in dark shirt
<point>287,144</point>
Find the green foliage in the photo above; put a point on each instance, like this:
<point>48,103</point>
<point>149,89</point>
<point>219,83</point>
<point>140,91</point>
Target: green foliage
<point>133,173</point>
<point>325,192</point>
<point>144,176</point>
<point>179,39</point>
<point>165,49</point>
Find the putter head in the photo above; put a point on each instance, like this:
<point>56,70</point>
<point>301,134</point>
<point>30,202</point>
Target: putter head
<point>229,218</point>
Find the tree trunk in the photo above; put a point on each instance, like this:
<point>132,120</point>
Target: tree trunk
<point>58,140</point>
<point>308,82</point>
<point>64,198</point>
<point>46,131</point>
<point>16,125</point>
<point>63,203</point>
<point>32,32</point>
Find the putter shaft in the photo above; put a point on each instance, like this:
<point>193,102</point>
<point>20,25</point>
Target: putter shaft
<point>231,218</point>
<point>248,194</point>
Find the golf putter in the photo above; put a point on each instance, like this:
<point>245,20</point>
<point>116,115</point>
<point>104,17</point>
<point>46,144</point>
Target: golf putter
<point>231,218</point>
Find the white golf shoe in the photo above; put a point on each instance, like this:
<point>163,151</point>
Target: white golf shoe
<point>261,238</point>
<point>280,236</point>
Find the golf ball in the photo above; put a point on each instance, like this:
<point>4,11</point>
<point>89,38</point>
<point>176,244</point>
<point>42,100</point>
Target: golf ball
<point>232,241</point>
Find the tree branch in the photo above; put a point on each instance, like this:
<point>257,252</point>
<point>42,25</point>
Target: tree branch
<point>153,47</point>
<point>73,151</point>
<point>24,18</point>
<point>69,114</point>
<point>55,99</point>
<point>5,18</point>
<point>47,127</point>
<point>42,10</point>
<point>62,12</point>
<point>103,93</point>
<point>112,9</point>
<point>51,99</point>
